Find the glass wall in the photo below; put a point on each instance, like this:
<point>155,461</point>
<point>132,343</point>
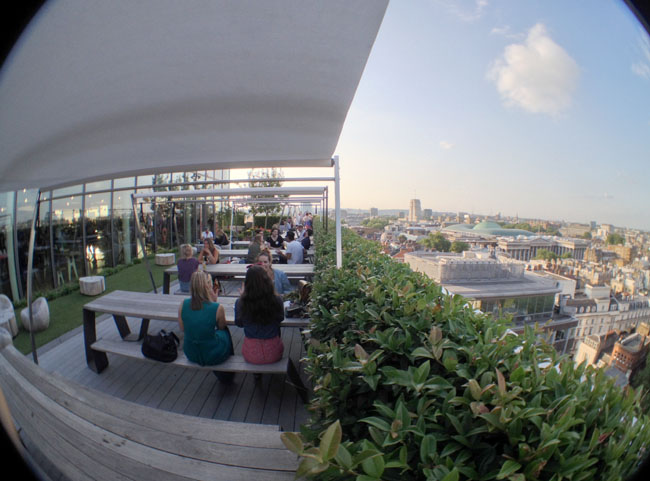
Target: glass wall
<point>531,308</point>
<point>99,242</point>
<point>83,229</point>
<point>125,247</point>
<point>7,257</point>
<point>67,240</point>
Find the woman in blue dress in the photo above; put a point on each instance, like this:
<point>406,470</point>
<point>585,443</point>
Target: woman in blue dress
<point>207,340</point>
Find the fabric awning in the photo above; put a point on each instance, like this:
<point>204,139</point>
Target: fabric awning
<point>231,193</point>
<point>97,89</point>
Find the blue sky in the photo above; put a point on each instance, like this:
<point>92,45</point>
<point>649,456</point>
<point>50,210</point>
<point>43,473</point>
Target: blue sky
<point>535,108</point>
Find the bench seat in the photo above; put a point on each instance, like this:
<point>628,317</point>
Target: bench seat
<point>235,363</point>
<point>83,434</point>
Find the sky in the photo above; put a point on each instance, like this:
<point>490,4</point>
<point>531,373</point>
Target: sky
<point>539,109</point>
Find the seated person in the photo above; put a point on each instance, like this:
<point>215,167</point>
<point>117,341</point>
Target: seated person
<point>306,241</point>
<point>220,237</point>
<point>275,240</point>
<point>255,248</point>
<point>295,251</point>
<point>206,234</point>
<point>300,232</point>
<point>279,278</point>
<point>210,253</point>
<point>207,340</point>
<point>187,264</point>
<point>259,310</point>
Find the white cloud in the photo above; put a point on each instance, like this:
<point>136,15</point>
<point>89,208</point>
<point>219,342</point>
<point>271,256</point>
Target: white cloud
<point>537,75</point>
<point>465,10</point>
<point>446,145</point>
<point>642,67</point>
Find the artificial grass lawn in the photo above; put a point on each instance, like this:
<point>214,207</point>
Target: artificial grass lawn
<point>66,311</point>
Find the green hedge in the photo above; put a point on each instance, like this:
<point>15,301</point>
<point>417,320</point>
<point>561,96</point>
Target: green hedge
<point>412,384</point>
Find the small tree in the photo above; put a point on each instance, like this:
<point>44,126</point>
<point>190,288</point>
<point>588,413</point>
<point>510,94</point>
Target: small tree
<point>437,242</point>
<point>265,178</point>
<point>615,239</point>
<point>458,247</point>
<point>546,255</point>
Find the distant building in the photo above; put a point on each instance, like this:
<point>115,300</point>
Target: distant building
<point>598,312</point>
<point>427,214</point>
<point>620,354</point>
<point>415,210</point>
<point>525,249</point>
<point>500,286</point>
<point>374,212</point>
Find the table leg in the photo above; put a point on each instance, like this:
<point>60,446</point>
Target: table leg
<point>296,382</point>
<point>122,325</point>
<point>96,360</point>
<point>166,281</point>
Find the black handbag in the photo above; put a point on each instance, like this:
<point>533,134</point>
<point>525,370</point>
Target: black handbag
<point>161,347</point>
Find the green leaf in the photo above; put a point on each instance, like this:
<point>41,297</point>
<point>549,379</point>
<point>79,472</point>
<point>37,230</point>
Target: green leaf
<point>428,448</point>
<point>310,466</point>
<point>343,457</point>
<point>451,476</point>
<point>374,466</point>
<point>293,442</point>
<point>508,468</point>
<point>329,443</point>
<point>474,389</point>
<point>377,422</point>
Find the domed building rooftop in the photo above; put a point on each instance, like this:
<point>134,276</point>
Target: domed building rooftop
<point>488,228</point>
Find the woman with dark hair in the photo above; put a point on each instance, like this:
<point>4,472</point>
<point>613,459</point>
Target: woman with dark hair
<point>259,310</point>
<point>207,340</point>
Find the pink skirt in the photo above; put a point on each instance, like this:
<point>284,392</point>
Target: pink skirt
<point>262,351</point>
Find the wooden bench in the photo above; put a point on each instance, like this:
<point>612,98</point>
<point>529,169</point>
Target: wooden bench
<point>235,363</point>
<point>73,432</point>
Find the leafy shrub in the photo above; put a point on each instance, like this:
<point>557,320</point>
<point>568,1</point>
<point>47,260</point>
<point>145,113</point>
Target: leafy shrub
<point>413,384</point>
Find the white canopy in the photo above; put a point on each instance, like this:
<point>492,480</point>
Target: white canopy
<point>227,193</point>
<point>100,89</point>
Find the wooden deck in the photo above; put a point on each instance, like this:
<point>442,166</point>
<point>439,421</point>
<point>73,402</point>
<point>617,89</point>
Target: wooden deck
<point>176,389</point>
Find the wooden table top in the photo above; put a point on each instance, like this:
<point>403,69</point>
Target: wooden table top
<point>164,307</point>
<point>292,270</point>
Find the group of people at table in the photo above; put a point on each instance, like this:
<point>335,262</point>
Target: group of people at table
<point>259,310</point>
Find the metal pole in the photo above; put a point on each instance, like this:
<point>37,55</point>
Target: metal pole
<point>30,263</point>
<point>142,244</point>
<point>232,220</point>
<point>337,188</point>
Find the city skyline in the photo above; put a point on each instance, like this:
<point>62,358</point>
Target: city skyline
<point>483,106</point>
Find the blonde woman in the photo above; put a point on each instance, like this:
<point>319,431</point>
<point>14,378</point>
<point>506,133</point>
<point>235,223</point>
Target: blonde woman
<point>207,340</point>
<point>187,264</point>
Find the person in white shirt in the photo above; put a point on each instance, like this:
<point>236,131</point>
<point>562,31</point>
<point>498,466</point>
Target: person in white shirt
<point>295,251</point>
<point>206,234</point>
<point>300,232</point>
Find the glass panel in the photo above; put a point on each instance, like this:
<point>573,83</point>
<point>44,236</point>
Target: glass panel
<point>125,246</point>
<point>73,190</point>
<point>25,201</point>
<point>42,251</point>
<point>99,246</point>
<point>101,185</point>
<point>7,264</point>
<point>66,229</point>
<point>124,182</point>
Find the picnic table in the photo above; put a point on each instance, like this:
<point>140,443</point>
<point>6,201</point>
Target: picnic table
<point>145,306</point>
<point>293,271</point>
